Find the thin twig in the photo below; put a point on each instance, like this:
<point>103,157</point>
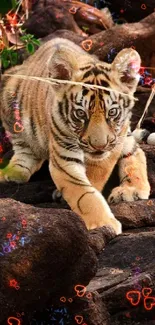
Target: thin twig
<point>57,81</point>
<point>146,106</point>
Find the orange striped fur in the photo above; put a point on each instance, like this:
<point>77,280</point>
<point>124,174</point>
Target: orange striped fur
<point>82,132</point>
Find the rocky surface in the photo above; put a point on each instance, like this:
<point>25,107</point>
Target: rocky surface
<point>126,267</point>
<point>48,251</point>
<point>44,253</point>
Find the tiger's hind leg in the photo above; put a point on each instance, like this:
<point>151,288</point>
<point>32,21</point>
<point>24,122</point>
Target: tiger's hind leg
<point>22,165</point>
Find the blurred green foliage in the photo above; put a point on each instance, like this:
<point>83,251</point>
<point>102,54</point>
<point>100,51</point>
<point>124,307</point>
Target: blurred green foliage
<point>8,52</point>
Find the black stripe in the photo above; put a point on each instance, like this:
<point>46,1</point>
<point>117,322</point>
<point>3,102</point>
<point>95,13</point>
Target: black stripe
<point>106,75</point>
<point>62,143</point>
<point>76,160</point>
<point>104,83</point>
<point>66,105</point>
<point>61,111</point>
<point>87,74</point>
<point>106,92</point>
<point>86,67</point>
<point>85,91</point>
<point>32,125</point>
<point>22,167</point>
<point>78,202</point>
<point>21,144</point>
<point>101,67</point>
<point>80,184</point>
<point>102,71</point>
<point>100,94</point>
<point>57,128</point>
<point>125,179</point>
<point>92,97</point>
<point>97,72</point>
<point>58,140</point>
<point>88,82</point>
<point>63,170</point>
<point>71,97</point>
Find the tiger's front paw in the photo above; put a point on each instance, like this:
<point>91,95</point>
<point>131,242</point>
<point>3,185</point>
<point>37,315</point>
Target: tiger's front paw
<point>115,225</point>
<point>107,221</point>
<point>127,193</point>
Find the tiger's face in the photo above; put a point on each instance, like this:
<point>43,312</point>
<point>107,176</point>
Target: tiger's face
<point>96,117</point>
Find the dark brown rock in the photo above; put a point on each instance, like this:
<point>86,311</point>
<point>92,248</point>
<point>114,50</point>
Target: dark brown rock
<point>135,214</point>
<point>92,309</point>
<point>125,265</point>
<point>44,253</point>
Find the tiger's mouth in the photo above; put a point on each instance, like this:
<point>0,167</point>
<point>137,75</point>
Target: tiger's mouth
<point>97,155</point>
<point>89,151</point>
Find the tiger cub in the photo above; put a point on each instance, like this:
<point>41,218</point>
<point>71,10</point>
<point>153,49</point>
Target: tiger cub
<point>82,131</point>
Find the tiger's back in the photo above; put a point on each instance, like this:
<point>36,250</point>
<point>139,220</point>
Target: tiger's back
<point>31,96</point>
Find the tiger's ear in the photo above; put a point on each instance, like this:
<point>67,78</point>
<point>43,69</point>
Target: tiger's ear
<point>62,63</point>
<point>126,65</point>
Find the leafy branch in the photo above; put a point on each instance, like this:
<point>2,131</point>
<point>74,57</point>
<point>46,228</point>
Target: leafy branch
<point>12,37</point>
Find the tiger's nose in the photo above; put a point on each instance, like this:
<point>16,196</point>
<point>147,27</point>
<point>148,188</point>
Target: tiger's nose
<point>95,145</point>
<point>99,148</point>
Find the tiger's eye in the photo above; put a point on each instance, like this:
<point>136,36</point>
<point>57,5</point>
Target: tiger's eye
<point>112,112</point>
<point>80,113</point>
